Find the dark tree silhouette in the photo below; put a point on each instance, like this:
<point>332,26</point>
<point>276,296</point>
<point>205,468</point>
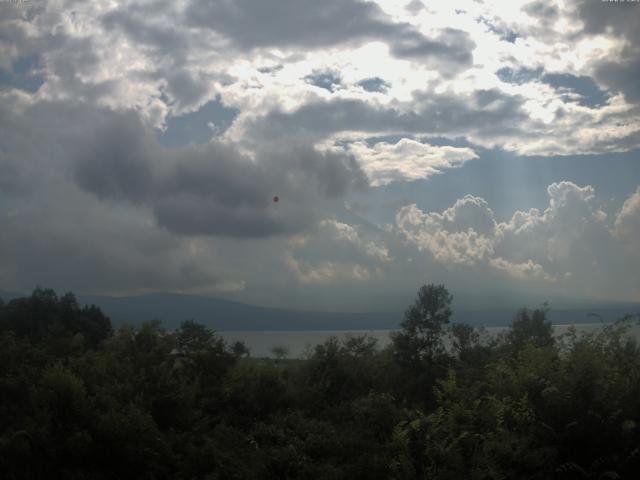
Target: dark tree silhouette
<point>78,401</point>
<point>423,325</point>
<point>531,327</point>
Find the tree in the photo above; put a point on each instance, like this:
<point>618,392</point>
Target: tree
<point>240,349</point>
<point>464,338</point>
<point>44,315</point>
<point>423,325</point>
<point>418,349</point>
<point>194,337</point>
<point>360,345</point>
<point>531,326</point>
<point>280,351</point>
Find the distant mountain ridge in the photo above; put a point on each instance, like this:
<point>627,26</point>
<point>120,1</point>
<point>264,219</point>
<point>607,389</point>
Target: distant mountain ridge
<point>226,315</point>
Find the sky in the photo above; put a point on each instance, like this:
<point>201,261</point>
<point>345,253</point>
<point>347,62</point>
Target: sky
<point>492,146</point>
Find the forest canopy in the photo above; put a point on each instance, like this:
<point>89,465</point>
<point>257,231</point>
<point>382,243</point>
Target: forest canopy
<point>79,400</point>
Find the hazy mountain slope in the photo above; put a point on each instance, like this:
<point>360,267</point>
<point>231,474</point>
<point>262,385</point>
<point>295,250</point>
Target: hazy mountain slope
<point>221,315</point>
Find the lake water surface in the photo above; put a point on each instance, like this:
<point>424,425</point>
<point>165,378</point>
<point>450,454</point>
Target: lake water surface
<point>298,343</point>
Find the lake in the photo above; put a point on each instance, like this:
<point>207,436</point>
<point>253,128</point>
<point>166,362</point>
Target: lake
<point>298,342</point>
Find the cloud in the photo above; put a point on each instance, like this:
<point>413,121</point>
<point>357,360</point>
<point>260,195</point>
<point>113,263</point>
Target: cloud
<point>216,191</point>
<point>89,193</point>
<point>66,239</point>
<point>109,153</point>
<point>136,25</point>
<point>486,116</point>
<point>415,6</point>
<point>167,60</point>
<point>66,227</point>
<point>22,73</point>
<point>541,9</point>
<point>211,189</point>
<point>252,24</point>
<point>173,125</point>
<point>463,234</point>
<point>450,50</point>
<point>354,242</point>
<point>570,243</point>
<point>336,251</point>
<point>618,20</point>
<point>187,91</point>
<point>581,89</point>
<point>211,120</point>
<point>622,75</point>
<point>522,271</point>
<point>612,18</point>
<point>627,224</point>
<point>569,231</point>
<point>289,23</point>
<point>498,27</point>
<point>406,160</point>
<point>327,272</point>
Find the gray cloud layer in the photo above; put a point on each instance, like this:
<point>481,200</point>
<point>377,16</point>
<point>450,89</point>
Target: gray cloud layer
<point>206,189</point>
<point>487,113</point>
<point>620,20</point>
<point>255,24</point>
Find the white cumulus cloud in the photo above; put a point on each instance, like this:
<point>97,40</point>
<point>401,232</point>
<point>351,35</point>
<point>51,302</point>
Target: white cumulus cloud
<point>407,160</point>
<point>572,242</point>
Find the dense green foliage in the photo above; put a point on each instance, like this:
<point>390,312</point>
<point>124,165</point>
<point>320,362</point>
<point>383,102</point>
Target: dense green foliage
<point>79,401</point>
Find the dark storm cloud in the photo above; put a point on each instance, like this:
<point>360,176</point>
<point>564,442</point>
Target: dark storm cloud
<point>165,38</point>
<point>206,189</point>
<point>72,62</point>
<point>488,112</point>
<point>66,240</point>
<point>56,233</point>
<point>213,189</point>
<point>34,144</point>
<point>112,157</point>
<point>452,47</point>
<point>186,88</point>
<point>618,19</point>
<point>100,150</point>
<point>542,10</point>
<point>581,89</point>
<point>254,24</point>
<point>589,94</point>
<point>220,192</point>
<point>291,23</point>
<point>622,76</point>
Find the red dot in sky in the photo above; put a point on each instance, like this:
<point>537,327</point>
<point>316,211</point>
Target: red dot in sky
<point>276,199</point>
